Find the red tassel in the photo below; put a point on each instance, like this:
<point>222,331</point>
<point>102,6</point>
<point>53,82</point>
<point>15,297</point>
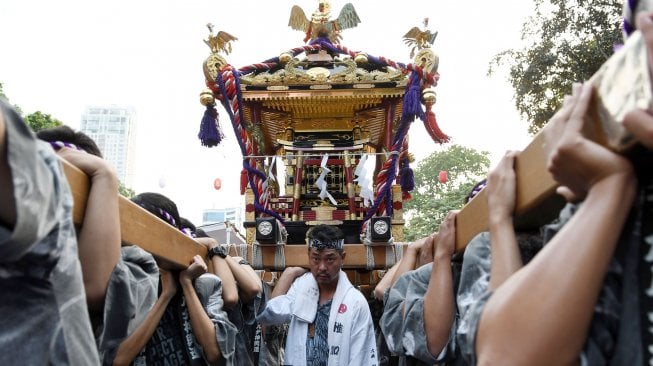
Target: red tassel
<point>243,181</point>
<point>433,129</point>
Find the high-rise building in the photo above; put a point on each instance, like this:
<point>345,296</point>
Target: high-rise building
<point>217,215</point>
<point>114,130</point>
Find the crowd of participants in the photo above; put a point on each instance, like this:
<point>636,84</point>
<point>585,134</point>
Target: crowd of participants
<point>573,292</point>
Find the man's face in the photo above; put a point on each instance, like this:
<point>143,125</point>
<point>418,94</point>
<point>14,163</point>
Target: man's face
<point>325,264</point>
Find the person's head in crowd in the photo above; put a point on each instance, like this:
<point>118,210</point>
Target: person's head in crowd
<point>326,253</point>
<point>475,190</point>
<point>61,136</point>
<point>200,233</point>
<point>187,227</point>
<point>160,206</point>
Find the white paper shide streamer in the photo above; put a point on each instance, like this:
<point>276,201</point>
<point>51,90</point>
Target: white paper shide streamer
<point>321,183</point>
<point>363,180</point>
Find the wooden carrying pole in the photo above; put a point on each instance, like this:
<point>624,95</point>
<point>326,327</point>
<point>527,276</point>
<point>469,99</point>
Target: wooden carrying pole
<point>621,85</point>
<point>536,202</point>
<point>174,250</point>
<point>171,248</point>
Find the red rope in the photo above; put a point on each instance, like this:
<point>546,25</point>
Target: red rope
<point>232,92</point>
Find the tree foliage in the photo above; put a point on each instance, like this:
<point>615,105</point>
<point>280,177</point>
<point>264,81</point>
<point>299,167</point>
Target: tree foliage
<point>125,191</point>
<point>432,200</point>
<point>566,42</point>
<point>39,121</point>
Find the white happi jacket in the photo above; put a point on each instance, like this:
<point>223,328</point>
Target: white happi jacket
<point>351,332</point>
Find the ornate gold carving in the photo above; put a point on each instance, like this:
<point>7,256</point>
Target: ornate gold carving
<point>285,57</point>
<point>427,60</point>
<point>419,39</point>
<point>318,72</point>
<point>292,74</point>
<point>220,42</point>
<point>361,58</point>
<point>321,24</point>
<point>212,66</point>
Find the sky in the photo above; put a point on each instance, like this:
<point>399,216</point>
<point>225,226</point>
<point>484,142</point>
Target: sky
<point>60,56</point>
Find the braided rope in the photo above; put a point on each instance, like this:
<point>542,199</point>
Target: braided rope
<point>257,256</point>
<point>369,253</point>
<point>399,251</point>
<point>279,257</point>
<point>390,255</point>
<point>411,109</point>
<point>403,154</point>
<point>229,87</point>
<point>388,171</point>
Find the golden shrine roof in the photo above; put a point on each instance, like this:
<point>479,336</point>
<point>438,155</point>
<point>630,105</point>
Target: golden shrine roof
<point>320,87</point>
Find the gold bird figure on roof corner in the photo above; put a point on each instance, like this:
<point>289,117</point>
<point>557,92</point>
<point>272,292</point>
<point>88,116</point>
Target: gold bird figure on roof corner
<point>220,42</point>
<point>419,39</point>
<point>320,24</point>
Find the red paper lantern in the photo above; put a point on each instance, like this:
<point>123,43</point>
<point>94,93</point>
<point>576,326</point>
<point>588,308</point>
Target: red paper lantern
<point>442,176</point>
<point>217,184</point>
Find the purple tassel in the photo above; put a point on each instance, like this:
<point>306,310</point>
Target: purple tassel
<point>412,106</point>
<point>407,178</point>
<point>210,134</point>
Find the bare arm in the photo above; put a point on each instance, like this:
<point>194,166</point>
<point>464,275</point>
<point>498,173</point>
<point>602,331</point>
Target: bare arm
<point>412,256</point>
<point>385,283</point>
<point>286,279</point>
<point>132,345</point>
<point>439,302</point>
<point>99,237</point>
<point>508,333</point>
<point>248,282</point>
<point>203,327</point>
<point>7,200</point>
<point>222,269</point>
<point>501,185</point>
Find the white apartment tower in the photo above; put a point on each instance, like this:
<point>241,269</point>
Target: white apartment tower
<point>114,130</point>
<point>217,215</point>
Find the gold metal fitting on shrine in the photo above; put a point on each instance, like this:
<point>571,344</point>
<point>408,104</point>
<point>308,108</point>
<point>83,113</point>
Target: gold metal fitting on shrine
<point>361,58</point>
<point>206,97</point>
<point>429,96</point>
<point>285,57</point>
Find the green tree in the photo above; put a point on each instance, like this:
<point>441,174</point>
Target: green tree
<point>39,121</point>
<point>565,41</point>
<point>125,191</point>
<point>432,200</point>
